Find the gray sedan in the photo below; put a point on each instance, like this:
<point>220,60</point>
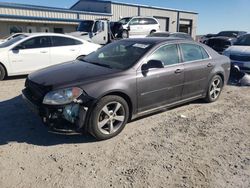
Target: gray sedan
<point>123,81</point>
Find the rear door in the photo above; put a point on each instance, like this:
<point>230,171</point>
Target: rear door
<point>135,27</point>
<point>160,86</point>
<point>198,65</point>
<point>64,49</point>
<point>30,55</point>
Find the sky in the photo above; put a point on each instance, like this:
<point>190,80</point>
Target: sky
<point>214,15</point>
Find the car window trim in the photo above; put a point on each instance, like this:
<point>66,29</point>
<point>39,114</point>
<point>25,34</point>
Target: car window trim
<point>33,38</point>
<point>164,46</point>
<point>182,57</point>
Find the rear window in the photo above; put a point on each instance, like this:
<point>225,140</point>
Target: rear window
<point>191,52</point>
<point>64,41</point>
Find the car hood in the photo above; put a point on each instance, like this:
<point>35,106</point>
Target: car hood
<point>239,50</point>
<point>70,74</point>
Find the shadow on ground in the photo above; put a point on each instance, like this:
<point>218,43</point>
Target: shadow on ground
<point>18,124</point>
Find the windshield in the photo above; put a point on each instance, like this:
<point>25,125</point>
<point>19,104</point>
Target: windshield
<point>12,41</point>
<point>119,55</point>
<point>124,21</point>
<point>243,41</point>
<point>85,26</point>
<point>228,34</point>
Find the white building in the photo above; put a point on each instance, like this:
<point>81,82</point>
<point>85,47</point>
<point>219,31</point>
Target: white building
<point>30,18</point>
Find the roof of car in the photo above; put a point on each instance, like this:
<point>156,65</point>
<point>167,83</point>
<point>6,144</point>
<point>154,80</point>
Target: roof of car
<point>155,40</point>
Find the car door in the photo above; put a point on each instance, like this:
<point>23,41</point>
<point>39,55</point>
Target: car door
<point>30,55</point>
<point>160,86</point>
<point>198,65</point>
<point>64,49</point>
<point>135,28</point>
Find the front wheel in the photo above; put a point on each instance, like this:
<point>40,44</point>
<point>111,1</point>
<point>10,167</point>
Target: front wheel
<point>125,34</point>
<point>214,89</point>
<point>2,73</point>
<point>109,117</point>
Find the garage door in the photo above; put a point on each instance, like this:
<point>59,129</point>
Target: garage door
<point>164,23</point>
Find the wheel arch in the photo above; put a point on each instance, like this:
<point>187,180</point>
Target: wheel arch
<point>125,97</point>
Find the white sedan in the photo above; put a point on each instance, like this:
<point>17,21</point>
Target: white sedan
<point>29,52</point>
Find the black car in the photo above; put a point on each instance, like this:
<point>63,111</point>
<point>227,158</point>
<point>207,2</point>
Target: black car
<point>169,34</point>
<point>125,80</point>
<point>223,40</point>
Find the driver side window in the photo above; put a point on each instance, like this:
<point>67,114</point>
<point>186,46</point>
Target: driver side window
<point>168,55</point>
<point>36,42</point>
<point>134,21</point>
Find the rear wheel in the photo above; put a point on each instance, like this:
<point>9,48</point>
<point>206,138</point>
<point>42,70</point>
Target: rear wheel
<point>214,89</point>
<point>109,117</point>
<point>2,72</point>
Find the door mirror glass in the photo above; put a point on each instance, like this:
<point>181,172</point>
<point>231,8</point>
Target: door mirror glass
<point>153,64</point>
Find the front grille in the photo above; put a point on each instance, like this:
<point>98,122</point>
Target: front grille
<point>240,57</point>
<point>36,91</point>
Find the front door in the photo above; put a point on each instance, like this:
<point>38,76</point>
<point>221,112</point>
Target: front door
<point>30,55</point>
<point>100,33</point>
<point>161,86</point>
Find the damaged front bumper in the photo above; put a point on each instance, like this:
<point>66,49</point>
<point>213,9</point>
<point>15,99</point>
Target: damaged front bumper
<point>61,118</point>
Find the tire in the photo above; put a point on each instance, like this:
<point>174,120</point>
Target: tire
<point>2,72</point>
<point>108,117</point>
<point>125,34</point>
<point>214,89</point>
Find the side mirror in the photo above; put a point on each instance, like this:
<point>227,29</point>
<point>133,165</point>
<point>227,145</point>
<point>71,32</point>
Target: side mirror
<point>18,47</point>
<point>151,65</point>
<point>155,64</point>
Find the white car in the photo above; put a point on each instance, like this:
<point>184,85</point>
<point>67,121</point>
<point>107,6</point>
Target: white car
<point>30,52</point>
<point>10,37</point>
<point>139,26</point>
<point>239,53</point>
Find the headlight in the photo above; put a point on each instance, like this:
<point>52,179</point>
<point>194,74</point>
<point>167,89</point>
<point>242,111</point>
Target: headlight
<point>62,96</point>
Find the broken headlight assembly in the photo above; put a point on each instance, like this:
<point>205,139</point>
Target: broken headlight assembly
<point>62,96</point>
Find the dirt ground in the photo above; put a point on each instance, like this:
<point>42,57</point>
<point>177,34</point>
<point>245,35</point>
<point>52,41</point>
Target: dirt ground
<point>210,147</point>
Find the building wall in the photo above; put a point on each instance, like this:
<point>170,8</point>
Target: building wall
<point>6,25</point>
<point>194,18</point>
<point>119,11</point>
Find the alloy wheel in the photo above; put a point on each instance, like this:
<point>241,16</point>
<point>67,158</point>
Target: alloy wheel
<point>215,89</point>
<point>111,118</point>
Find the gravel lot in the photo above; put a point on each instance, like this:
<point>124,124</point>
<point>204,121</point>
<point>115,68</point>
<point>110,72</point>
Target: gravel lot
<point>208,148</point>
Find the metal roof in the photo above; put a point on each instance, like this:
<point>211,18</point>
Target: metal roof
<point>137,5</point>
<point>46,8</point>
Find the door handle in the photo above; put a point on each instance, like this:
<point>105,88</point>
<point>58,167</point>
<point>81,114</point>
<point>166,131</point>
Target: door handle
<point>178,71</point>
<point>44,52</point>
<point>209,65</point>
<point>72,50</point>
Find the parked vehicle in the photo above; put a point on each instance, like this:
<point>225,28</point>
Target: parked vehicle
<point>29,52</point>
<point>125,80</point>
<point>103,31</point>
<point>223,40</point>
<point>11,37</point>
<point>204,38</point>
<point>100,31</point>
<point>139,26</point>
<point>239,53</point>
<point>169,34</point>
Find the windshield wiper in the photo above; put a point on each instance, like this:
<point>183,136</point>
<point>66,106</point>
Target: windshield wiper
<point>95,63</point>
<point>101,64</point>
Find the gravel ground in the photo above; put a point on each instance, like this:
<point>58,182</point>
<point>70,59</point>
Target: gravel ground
<point>194,145</point>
